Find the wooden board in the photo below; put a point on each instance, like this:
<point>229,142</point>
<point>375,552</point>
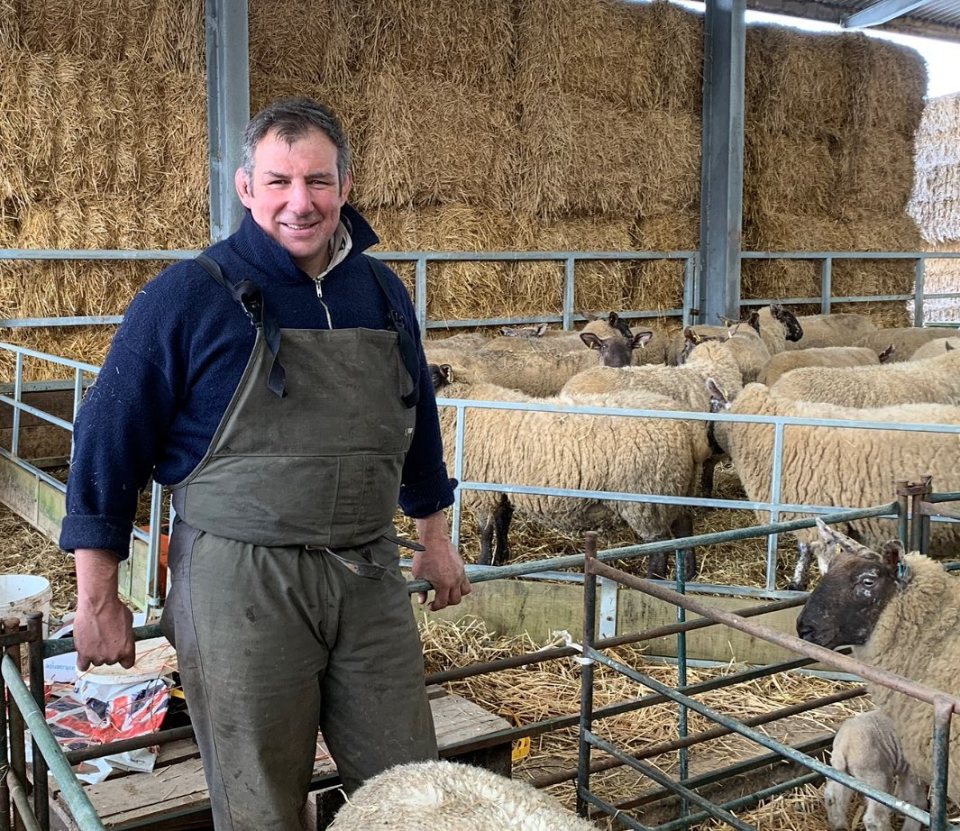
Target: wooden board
<point>178,788</point>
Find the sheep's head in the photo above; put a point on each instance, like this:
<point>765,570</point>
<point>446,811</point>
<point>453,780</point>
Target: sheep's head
<point>793,331</point>
<point>616,351</point>
<point>855,588</point>
<point>441,375</point>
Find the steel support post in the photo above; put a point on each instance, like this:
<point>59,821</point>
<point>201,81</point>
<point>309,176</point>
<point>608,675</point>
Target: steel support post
<point>721,187</point>
<point>586,671</point>
<point>228,107</point>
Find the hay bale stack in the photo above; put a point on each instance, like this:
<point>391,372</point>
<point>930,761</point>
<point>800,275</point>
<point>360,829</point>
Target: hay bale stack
<point>311,41</point>
<point>430,141</point>
<point>830,123</point>
<point>167,34</point>
<point>88,344</point>
<point>935,203</point>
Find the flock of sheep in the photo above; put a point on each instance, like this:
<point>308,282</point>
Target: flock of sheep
<point>850,371</point>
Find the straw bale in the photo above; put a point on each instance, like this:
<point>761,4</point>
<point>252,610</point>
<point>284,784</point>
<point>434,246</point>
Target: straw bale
<point>788,173</point>
<point>888,83</point>
<point>168,34</point>
<point>935,203</point>
<point>875,176</point>
<point>663,279</point>
<point>457,290</point>
<point>14,137</point>
<point>10,25</point>
<point>88,344</point>
<point>430,141</point>
<point>940,277</point>
<point>468,44</point>
<point>795,82</point>
<point>637,56</point>
<point>601,159</point>
<point>59,288</point>
<point>314,41</point>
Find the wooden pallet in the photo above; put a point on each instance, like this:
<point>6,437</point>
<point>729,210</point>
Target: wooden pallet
<point>175,795</point>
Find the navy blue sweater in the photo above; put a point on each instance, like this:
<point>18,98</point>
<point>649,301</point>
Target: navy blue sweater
<point>178,358</point>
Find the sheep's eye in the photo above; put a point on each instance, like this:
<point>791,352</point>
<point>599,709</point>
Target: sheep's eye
<point>868,581</point>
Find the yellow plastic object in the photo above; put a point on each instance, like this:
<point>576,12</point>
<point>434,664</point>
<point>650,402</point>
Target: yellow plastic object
<point>521,747</point>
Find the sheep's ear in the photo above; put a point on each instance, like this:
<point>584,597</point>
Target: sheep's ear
<point>833,539</point>
<point>691,335</point>
<point>949,347</point>
<point>892,556</point>
<point>446,371</point>
<point>717,396</point>
<point>776,310</point>
<point>590,339</point>
<point>591,316</point>
<point>613,319</point>
<point>754,321</point>
<point>887,353</point>
<point>640,339</point>
<point>541,330</point>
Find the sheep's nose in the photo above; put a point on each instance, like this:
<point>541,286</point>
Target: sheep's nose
<point>805,631</point>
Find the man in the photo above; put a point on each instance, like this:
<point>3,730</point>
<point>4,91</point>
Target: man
<point>279,388</point>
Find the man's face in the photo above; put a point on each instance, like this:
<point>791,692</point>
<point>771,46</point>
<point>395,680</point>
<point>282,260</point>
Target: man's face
<point>295,195</point>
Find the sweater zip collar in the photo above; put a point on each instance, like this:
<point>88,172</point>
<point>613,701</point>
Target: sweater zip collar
<point>340,246</point>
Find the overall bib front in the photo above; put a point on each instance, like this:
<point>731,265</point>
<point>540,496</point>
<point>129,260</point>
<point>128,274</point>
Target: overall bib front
<point>288,609</point>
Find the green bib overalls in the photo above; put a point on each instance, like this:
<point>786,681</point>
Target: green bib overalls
<point>288,608</point>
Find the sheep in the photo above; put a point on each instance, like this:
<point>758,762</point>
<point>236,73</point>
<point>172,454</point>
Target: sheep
<point>832,356</point>
<point>840,466</point>
<point>935,348</point>
<point>537,331</point>
<point>835,329</point>
<point>778,326</point>
<point>935,381</point>
<point>586,452</point>
<point>905,341</point>
<point>534,366</point>
<point>867,748</point>
<point>748,348</point>
<point>899,612</point>
<point>446,796</point>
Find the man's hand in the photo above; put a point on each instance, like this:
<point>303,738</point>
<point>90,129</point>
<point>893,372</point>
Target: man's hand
<point>440,564</point>
<point>103,628</point>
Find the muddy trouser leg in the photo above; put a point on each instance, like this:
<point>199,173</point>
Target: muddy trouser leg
<point>253,628</point>
<point>375,712</point>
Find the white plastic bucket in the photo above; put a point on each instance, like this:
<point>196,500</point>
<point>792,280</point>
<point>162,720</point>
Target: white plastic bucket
<point>21,594</point>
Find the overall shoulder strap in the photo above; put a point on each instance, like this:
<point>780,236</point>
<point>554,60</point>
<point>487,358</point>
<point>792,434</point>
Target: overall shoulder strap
<point>408,349</point>
<point>248,295</point>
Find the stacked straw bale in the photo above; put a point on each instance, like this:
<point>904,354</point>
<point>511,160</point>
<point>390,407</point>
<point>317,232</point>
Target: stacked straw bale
<point>935,203</point>
<point>104,145</point>
<point>829,130</point>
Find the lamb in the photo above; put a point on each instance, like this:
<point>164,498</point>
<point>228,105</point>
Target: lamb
<point>446,796</point>
<point>905,341</point>
<point>836,329</point>
<point>748,348</point>
<point>899,612</point>
<point>832,356</point>
<point>935,380</point>
<point>841,466</point>
<point>935,348</point>
<point>586,452</point>
<point>538,368</point>
<point>867,748</point>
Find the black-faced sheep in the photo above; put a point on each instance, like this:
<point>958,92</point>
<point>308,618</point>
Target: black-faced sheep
<point>836,329</point>
<point>778,326</point>
<point>841,466</point>
<point>935,381</point>
<point>583,452</point>
<point>905,341</point>
<point>445,796</point>
<point>832,356</point>
<point>867,747</point>
<point>900,613</point>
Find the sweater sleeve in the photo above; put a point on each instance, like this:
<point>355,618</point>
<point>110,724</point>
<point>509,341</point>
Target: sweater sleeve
<point>425,486</point>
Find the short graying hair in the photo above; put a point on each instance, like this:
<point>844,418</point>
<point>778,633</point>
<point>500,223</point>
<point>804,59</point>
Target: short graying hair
<point>292,118</point>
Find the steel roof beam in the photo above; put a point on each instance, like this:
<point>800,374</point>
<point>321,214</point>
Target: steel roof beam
<point>882,11</point>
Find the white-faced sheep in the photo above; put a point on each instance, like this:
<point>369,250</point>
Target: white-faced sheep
<point>539,366</point>
<point>746,345</point>
<point>905,341</point>
<point>584,452</point>
<point>835,329</point>
<point>935,348</point>
<point>841,466</point>
<point>935,380</point>
<point>900,613</point>
<point>445,796</point>
<point>867,748</point>
<point>832,356</point>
